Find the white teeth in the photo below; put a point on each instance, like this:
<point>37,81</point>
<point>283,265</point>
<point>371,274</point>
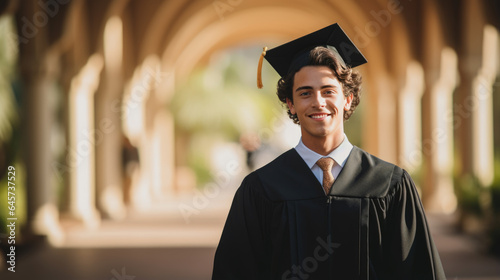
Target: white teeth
<point>319,116</point>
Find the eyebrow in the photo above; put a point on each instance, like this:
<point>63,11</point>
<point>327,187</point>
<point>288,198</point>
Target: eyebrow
<point>310,87</point>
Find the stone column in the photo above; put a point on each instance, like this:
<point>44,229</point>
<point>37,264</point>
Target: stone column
<point>473,108</point>
<point>387,133</point>
<point>82,140</point>
<point>164,132</point>
<point>437,145</point>
<point>39,111</point>
<point>379,125</point>
<point>410,118</point>
<point>163,151</point>
<point>109,165</point>
<point>481,106</point>
<point>440,66</point>
<point>137,122</point>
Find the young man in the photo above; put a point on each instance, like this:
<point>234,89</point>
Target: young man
<point>325,209</point>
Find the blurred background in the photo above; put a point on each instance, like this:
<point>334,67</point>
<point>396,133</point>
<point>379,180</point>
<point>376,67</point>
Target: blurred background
<point>130,124</point>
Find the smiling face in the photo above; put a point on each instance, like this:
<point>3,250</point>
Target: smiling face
<point>319,103</point>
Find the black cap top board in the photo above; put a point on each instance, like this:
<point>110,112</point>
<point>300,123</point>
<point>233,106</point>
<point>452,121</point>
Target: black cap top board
<point>294,54</point>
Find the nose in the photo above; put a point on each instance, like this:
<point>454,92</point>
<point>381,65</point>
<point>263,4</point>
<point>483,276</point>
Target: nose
<point>319,100</point>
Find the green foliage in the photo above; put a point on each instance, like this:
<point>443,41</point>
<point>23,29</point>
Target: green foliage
<point>495,205</point>
<point>468,190</point>
<point>495,187</point>
<point>9,127</point>
<point>483,202</point>
<point>8,60</point>
<point>20,200</point>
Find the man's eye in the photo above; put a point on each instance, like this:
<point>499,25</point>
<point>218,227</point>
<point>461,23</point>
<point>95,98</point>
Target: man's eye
<point>329,92</point>
<point>305,93</point>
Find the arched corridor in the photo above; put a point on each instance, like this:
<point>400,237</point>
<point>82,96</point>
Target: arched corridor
<point>146,111</point>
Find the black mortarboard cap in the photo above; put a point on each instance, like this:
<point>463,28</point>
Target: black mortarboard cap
<point>294,54</point>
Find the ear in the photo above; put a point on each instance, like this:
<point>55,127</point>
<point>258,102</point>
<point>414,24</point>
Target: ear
<point>348,102</point>
<point>290,106</point>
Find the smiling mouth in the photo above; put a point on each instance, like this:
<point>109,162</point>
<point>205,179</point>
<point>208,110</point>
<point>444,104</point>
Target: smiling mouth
<point>319,116</point>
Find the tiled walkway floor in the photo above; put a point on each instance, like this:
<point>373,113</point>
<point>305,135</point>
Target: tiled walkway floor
<point>460,254</point>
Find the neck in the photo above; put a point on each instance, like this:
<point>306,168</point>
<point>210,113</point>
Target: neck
<point>323,145</point>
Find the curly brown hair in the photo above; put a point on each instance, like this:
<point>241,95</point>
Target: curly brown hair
<point>322,56</point>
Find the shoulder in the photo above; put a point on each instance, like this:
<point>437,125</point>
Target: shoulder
<point>375,164</point>
<point>379,176</point>
<point>271,174</point>
<point>279,164</point>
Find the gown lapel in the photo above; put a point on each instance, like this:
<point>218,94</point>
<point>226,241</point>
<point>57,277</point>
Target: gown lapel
<point>343,185</point>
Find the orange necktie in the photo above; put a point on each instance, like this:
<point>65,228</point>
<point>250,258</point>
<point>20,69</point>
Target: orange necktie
<point>326,165</point>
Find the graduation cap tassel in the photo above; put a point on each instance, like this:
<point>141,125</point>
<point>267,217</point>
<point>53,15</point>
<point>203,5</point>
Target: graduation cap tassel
<point>259,68</point>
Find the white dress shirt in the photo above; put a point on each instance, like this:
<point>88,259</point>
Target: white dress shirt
<point>339,156</point>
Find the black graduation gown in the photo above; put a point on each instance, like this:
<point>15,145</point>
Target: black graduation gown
<point>371,226</point>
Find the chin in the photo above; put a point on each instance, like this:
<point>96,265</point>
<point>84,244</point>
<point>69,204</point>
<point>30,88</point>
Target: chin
<point>320,133</point>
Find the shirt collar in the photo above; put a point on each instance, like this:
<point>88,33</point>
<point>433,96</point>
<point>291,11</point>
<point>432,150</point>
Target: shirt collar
<point>339,155</point>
